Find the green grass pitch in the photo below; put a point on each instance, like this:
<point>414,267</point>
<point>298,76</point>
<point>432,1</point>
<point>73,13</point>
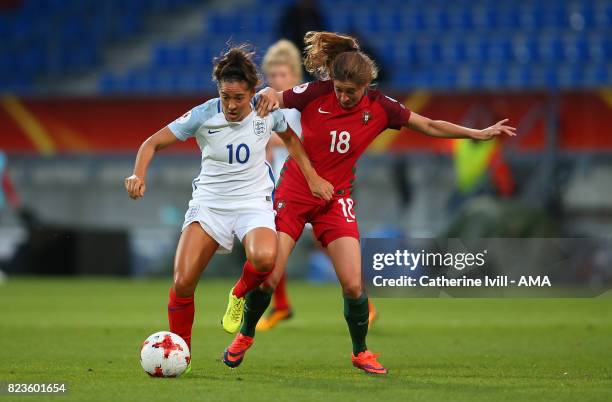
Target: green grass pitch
<point>88,334</point>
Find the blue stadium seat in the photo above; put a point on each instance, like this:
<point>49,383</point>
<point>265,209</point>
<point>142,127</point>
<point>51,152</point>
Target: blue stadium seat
<point>462,19</point>
<point>468,44</point>
<point>551,49</point>
<point>477,50</point>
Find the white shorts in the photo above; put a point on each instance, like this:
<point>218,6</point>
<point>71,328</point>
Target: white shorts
<point>223,224</point>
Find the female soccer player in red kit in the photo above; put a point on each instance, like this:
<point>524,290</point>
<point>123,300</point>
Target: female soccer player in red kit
<point>282,66</point>
<point>341,116</point>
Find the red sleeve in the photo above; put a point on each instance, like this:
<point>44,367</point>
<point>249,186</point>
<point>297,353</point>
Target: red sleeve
<point>11,194</point>
<point>397,113</point>
<point>501,174</point>
<point>300,96</point>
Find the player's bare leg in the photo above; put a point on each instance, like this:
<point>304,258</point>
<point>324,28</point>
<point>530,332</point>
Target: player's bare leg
<point>194,251</point>
<point>346,257</point>
<point>260,247</point>
<point>373,313</point>
<point>285,248</point>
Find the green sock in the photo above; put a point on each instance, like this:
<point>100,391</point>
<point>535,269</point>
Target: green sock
<point>257,301</point>
<point>356,313</point>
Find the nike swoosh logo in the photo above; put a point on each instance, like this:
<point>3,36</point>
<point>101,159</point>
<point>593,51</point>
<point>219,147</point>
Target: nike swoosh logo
<point>363,323</point>
<point>212,132</point>
<point>323,111</point>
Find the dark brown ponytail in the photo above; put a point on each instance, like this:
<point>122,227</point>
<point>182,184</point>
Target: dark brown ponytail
<point>237,65</point>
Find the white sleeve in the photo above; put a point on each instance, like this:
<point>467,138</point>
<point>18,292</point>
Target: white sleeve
<point>280,124</point>
<point>186,126</point>
<point>293,117</point>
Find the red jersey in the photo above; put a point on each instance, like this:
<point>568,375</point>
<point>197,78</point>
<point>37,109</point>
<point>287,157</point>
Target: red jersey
<point>334,138</point>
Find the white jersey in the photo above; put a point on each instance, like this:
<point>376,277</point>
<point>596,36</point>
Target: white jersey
<point>293,116</point>
<point>234,168</point>
<point>280,154</point>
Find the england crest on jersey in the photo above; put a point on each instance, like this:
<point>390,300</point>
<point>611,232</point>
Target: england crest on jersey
<point>259,126</point>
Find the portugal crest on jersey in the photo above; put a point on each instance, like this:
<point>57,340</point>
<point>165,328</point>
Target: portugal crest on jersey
<point>259,126</point>
<point>366,117</point>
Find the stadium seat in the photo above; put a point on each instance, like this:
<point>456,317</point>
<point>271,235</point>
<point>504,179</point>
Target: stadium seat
<point>534,43</point>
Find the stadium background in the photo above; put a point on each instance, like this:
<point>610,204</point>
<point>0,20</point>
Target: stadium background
<point>83,83</point>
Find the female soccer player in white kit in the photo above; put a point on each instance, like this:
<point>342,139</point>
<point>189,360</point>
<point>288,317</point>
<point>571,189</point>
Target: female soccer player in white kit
<point>232,195</point>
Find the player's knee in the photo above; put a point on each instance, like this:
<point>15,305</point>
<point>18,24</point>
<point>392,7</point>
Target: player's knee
<point>270,284</point>
<point>352,291</point>
<point>183,287</point>
<point>263,260</point>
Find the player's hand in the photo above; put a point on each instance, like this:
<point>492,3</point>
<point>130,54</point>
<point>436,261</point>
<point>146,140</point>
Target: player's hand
<point>497,129</point>
<point>135,187</point>
<point>266,102</point>
<point>321,188</point>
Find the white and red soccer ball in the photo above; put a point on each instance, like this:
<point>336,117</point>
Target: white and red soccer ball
<point>164,354</point>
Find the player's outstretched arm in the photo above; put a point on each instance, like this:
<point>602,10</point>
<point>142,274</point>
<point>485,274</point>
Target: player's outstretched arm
<point>319,187</point>
<point>135,184</point>
<point>268,100</point>
<point>444,129</point>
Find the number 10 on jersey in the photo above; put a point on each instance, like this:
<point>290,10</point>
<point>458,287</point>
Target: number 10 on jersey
<point>242,153</point>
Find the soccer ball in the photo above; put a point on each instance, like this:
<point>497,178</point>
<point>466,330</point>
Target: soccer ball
<point>164,354</point>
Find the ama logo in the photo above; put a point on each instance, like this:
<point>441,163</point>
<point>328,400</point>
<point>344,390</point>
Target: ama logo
<point>538,281</point>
